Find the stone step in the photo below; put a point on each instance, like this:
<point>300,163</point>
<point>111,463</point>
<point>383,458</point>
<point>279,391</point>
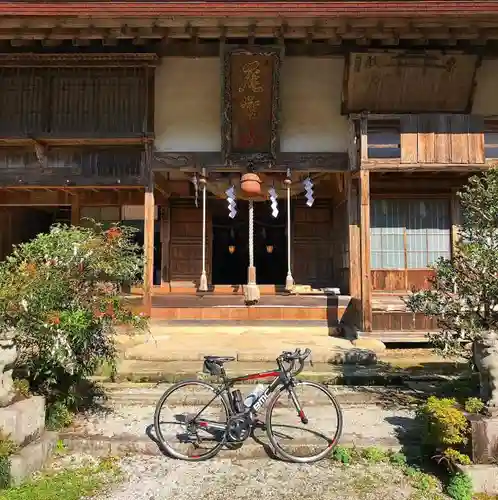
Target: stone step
<point>145,394</point>
<point>99,446</point>
<point>380,374</point>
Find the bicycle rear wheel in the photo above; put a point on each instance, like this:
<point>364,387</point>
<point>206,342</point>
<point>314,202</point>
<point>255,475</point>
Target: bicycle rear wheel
<point>302,442</point>
<point>185,427</point>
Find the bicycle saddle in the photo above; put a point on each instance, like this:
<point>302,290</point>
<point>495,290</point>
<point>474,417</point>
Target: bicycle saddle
<point>219,359</point>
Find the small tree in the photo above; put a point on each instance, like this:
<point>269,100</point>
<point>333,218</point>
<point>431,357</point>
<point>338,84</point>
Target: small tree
<point>464,290</point>
<point>59,294</point>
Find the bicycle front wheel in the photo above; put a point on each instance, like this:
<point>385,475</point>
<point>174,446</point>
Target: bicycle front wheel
<point>190,421</point>
<point>304,422</point>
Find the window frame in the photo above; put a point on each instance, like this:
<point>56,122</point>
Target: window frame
<point>405,231</point>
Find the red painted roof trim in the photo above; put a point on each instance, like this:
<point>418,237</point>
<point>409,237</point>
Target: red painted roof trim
<point>112,8</point>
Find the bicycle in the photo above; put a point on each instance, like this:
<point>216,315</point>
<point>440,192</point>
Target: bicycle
<point>235,419</point>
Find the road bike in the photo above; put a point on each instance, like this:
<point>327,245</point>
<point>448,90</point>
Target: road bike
<point>211,417</point>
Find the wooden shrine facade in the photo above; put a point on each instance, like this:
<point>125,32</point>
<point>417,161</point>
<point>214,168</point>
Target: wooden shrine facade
<point>80,104</point>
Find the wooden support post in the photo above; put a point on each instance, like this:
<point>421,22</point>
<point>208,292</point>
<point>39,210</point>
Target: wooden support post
<point>165,243</point>
<point>456,220</point>
<point>75,210</point>
<point>148,278</point>
<point>366,279</point>
<point>354,251</point>
<point>363,139</point>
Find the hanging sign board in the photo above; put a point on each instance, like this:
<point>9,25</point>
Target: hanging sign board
<point>250,105</point>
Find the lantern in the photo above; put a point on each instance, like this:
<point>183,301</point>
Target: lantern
<point>250,184</point>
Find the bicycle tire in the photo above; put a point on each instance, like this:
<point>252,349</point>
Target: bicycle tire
<point>273,438</point>
<point>157,421</point>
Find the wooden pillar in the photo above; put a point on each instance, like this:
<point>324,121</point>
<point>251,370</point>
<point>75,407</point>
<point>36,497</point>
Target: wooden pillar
<point>366,283</point>
<point>354,250</point>
<point>165,243</point>
<point>75,210</point>
<point>148,277</point>
<point>456,220</point>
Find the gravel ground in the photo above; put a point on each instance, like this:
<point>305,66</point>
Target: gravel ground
<point>264,479</point>
<point>369,421</point>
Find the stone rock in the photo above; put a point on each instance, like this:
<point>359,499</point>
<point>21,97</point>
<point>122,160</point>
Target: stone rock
<point>484,439</point>
<point>369,344</point>
<point>484,478</point>
<point>32,457</point>
<point>23,421</point>
<point>486,361</point>
<point>8,357</point>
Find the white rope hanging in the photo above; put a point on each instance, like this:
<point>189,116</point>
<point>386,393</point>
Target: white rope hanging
<point>289,280</point>
<point>203,284</point>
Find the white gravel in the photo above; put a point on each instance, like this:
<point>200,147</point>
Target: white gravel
<point>370,421</point>
<point>264,479</point>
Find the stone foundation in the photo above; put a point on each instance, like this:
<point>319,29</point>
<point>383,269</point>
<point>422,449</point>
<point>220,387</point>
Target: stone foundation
<point>24,423</point>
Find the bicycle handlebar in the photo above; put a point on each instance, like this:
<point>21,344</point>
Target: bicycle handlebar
<point>293,357</point>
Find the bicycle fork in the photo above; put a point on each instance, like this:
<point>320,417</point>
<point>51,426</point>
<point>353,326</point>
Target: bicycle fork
<point>297,405</point>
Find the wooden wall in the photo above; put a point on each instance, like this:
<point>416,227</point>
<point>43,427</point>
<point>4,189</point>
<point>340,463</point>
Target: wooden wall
<point>441,138</point>
<point>400,280</point>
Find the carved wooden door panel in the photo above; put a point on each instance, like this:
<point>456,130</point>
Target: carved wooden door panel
<point>312,244</point>
<point>185,242</point>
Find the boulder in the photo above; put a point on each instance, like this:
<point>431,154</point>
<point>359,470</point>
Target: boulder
<point>369,344</point>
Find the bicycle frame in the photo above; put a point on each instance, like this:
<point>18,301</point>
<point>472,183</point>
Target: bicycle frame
<point>280,377</point>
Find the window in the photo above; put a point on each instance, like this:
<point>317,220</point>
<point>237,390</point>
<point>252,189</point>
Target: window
<point>384,139</point>
<point>409,234</point>
<point>491,139</point>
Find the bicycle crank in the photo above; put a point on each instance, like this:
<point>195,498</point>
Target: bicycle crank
<point>238,428</point>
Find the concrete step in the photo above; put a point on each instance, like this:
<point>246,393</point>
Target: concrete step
<point>145,394</point>
<point>97,445</point>
<point>380,374</point>
<point>128,428</point>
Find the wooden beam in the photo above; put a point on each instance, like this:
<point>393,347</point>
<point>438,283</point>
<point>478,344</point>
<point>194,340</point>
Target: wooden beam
<point>148,276</point>
<point>366,283</point>
<point>165,243</point>
<point>354,249</point>
<point>75,210</point>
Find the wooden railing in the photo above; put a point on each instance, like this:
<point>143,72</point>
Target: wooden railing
<point>70,166</point>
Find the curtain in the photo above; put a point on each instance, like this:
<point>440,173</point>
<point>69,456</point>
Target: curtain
<point>409,234</point>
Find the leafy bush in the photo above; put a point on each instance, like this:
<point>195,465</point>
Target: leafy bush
<point>342,454</point>
<point>7,448</point>
<point>60,294</point>
<point>464,290</point>
<point>474,405</point>
<point>460,487</point>
<point>443,423</point>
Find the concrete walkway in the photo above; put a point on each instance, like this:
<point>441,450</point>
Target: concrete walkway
<point>126,426</point>
<point>255,343</point>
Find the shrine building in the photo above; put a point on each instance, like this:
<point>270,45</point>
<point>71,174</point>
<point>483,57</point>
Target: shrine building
<point>281,160</point>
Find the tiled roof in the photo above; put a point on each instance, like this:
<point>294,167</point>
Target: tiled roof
<point>365,8</point>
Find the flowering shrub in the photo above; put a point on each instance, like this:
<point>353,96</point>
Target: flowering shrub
<point>60,293</point>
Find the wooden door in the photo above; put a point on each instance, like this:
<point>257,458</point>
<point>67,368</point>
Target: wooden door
<point>312,244</point>
<point>185,251</point>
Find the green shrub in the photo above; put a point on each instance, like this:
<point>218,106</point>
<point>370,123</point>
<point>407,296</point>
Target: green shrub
<point>443,423</point>
<point>7,448</point>
<point>21,386</point>
<point>60,294</point>
<point>460,487</point>
<point>398,459</point>
<point>374,455</point>
<point>474,405</point>
<point>58,416</point>
<point>342,454</point>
